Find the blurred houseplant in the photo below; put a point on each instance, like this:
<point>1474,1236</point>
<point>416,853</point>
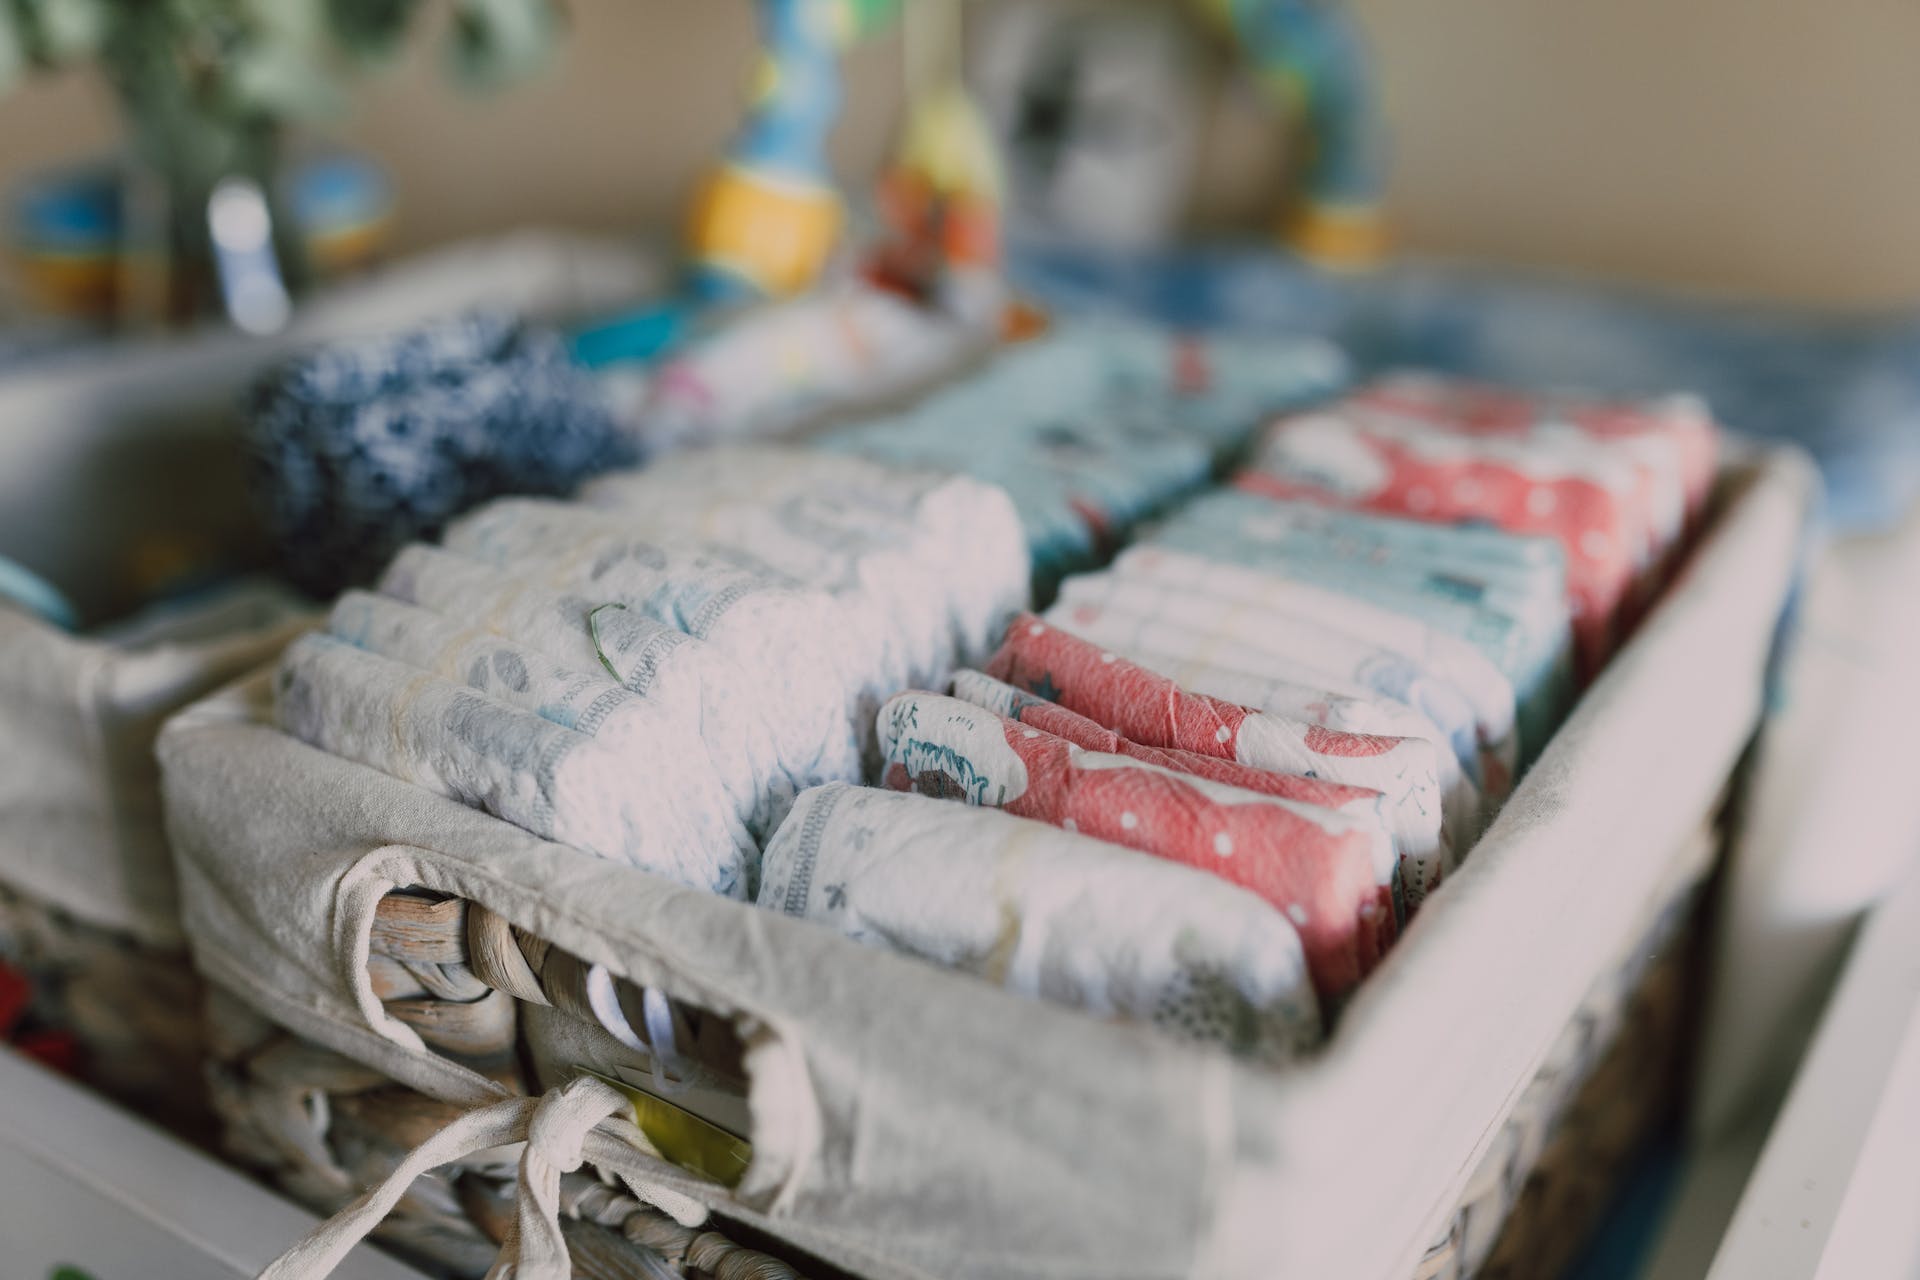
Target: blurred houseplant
<point>208,90</point>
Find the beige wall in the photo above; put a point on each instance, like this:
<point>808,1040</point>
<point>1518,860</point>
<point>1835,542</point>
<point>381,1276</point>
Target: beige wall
<point>1761,146</point>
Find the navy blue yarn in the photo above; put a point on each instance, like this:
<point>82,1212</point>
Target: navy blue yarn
<point>357,448</point>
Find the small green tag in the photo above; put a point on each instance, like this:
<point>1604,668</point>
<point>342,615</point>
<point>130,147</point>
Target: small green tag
<point>683,1138</point>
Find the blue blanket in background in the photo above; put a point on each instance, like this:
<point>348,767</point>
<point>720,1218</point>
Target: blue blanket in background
<point>1846,388</point>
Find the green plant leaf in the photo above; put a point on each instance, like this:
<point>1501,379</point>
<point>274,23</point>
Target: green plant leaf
<point>495,42</point>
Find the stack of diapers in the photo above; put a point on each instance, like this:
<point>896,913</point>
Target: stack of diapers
<point>1098,426</point>
<point>1323,708</point>
<point>1503,595</point>
<point>1617,486</point>
<point>928,566</point>
<point>1129,1009</point>
<point>628,677</point>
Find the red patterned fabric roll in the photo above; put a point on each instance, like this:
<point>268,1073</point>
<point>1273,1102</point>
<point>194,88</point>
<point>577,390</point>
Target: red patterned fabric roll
<point>1152,710</point>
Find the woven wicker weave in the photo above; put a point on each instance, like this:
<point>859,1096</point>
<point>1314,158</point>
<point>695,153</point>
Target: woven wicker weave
<point>1606,1086</point>
<point>325,1127</point>
<point>134,1010</point>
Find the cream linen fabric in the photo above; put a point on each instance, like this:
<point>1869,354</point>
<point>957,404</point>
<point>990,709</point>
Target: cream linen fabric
<point>79,792</point>
<point>915,1123</point>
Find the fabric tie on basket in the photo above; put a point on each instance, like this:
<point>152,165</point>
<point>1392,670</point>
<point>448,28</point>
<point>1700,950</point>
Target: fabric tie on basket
<point>357,448</point>
<point>1335,878</point>
<point>1140,704</point>
<point>1049,914</point>
<point>559,1130</point>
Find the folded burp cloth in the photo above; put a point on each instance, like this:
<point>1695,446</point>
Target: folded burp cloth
<point>454,741</point>
<point>1048,914</point>
<point>1150,709</point>
<point>1333,877</point>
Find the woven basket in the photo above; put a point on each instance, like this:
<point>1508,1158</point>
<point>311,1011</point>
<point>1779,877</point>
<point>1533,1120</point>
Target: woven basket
<point>87,904</point>
<point>131,1009</point>
<point>323,1128</point>
<point>118,460</point>
<point>451,968</point>
<point>1469,1115</point>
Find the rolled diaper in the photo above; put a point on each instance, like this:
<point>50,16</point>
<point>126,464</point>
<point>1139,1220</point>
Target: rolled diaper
<point>982,690</point>
<point>1334,877</point>
<point>555,782</point>
<point>1047,914</point>
<point>1152,710</point>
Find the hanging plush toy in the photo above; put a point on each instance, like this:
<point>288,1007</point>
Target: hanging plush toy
<point>766,222</point>
<point>940,199</point>
<point>1311,56</point>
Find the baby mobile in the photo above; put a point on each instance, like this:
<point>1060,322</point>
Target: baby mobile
<point>767,220</point>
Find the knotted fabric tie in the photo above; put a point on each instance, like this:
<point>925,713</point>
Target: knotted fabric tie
<point>554,1127</point>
